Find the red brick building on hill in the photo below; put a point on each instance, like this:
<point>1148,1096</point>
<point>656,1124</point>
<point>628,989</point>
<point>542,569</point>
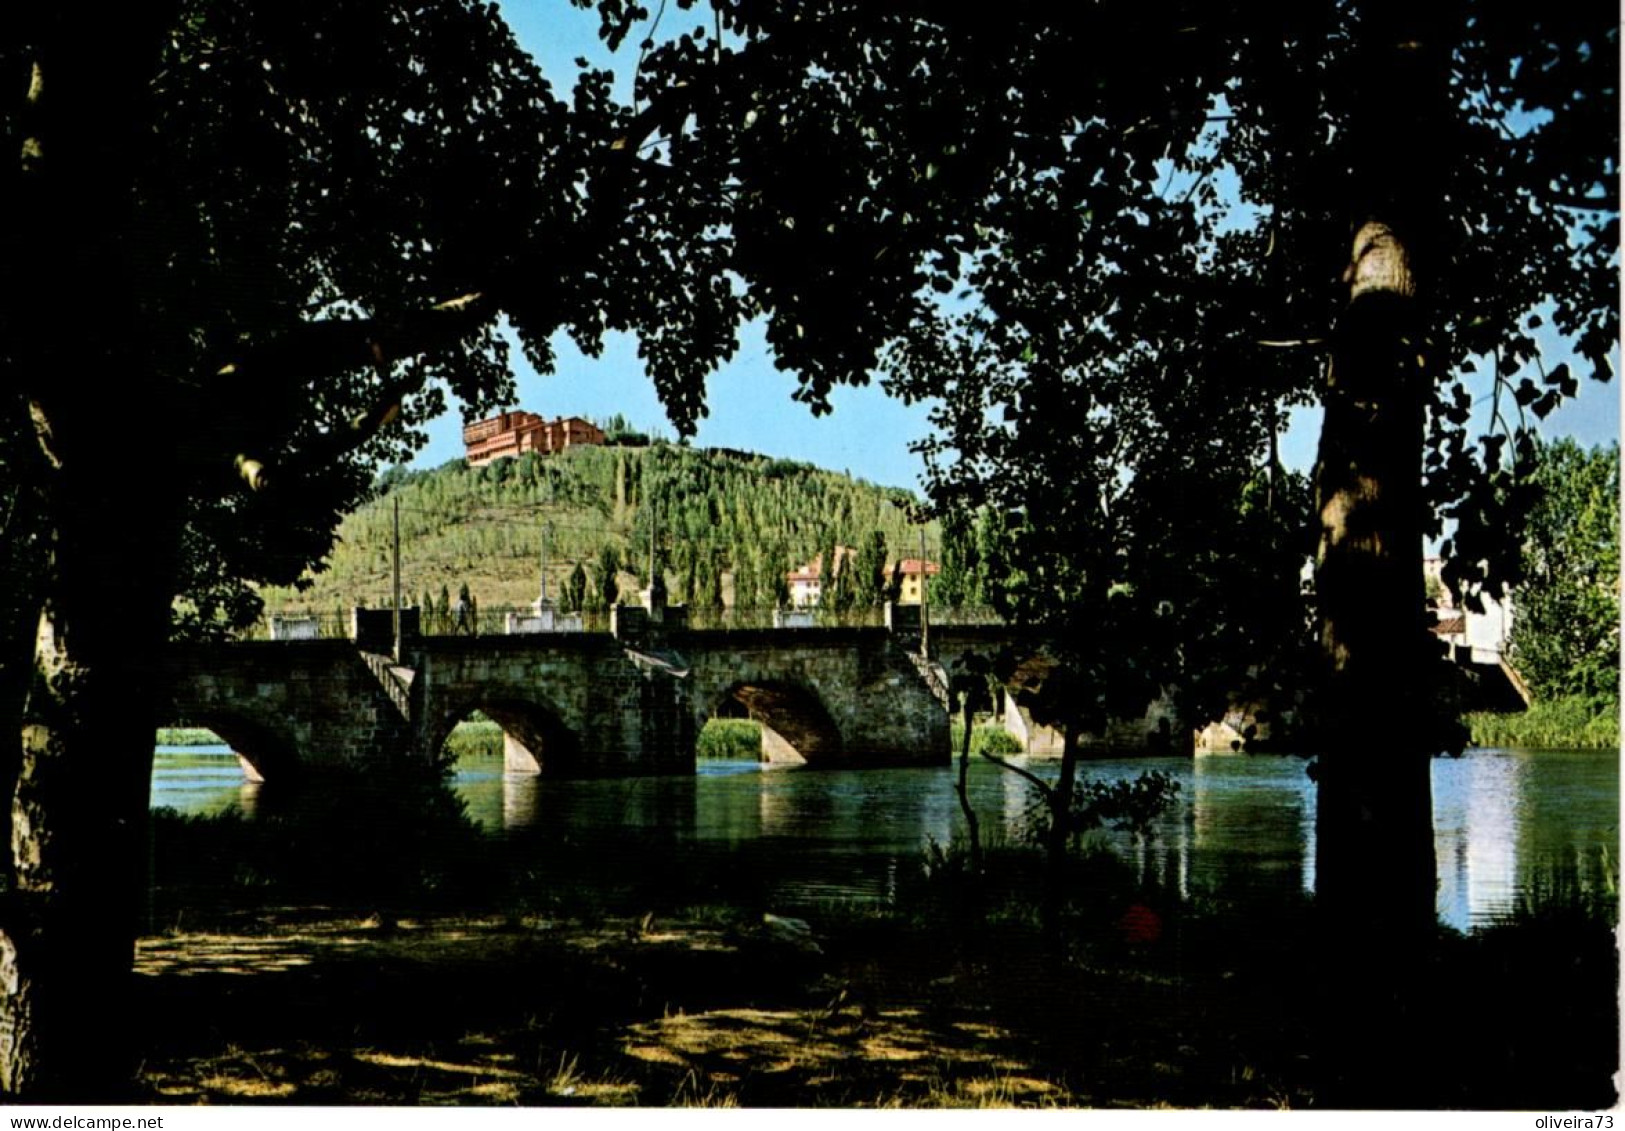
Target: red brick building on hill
<point>512,434</point>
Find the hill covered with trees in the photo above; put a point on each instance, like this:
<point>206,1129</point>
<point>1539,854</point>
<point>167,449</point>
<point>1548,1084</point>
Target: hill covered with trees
<point>727,526</point>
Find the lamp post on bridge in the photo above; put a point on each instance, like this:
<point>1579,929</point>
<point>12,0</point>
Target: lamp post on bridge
<point>547,533</point>
<point>396,604</point>
<point>925,607</point>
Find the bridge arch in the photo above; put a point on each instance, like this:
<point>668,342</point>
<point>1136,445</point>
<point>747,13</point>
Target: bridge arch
<point>265,751</point>
<point>796,726</point>
<point>535,739</point>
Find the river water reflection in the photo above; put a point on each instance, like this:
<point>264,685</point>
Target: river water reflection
<point>1506,822</point>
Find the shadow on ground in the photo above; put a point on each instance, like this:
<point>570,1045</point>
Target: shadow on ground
<point>531,1012</point>
<point>1213,1010</point>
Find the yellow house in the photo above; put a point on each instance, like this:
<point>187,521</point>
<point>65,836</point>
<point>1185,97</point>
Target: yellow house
<point>913,572</point>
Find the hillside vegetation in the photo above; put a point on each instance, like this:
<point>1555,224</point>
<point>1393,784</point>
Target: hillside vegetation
<point>728,526</point>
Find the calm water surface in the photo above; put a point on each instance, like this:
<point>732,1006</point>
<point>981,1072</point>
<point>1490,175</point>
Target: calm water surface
<point>1506,821</point>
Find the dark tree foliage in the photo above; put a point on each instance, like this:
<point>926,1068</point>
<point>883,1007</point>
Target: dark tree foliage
<point>223,277</point>
<point>1119,239</point>
<point>260,229</point>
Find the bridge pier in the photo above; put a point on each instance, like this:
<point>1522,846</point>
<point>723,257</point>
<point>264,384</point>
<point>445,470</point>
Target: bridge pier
<point>517,758</point>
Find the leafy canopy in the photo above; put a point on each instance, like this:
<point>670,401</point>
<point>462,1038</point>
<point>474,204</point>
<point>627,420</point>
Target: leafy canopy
<point>1109,238</point>
<point>1105,236</point>
<point>1565,626</point>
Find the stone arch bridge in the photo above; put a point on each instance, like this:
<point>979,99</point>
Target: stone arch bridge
<point>571,704</point>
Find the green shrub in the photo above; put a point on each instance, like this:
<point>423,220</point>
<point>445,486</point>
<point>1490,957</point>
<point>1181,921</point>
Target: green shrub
<point>989,738</point>
<point>1574,721</point>
<point>474,738</point>
<point>722,739</point>
<point>186,736</point>
<point>734,740</point>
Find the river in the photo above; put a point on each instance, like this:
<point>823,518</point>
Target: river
<point>1508,823</point>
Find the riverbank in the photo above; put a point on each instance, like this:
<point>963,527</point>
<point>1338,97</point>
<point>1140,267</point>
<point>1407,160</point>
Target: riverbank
<point>727,740</point>
<point>719,739</point>
<point>1152,1005</point>
<point>1572,723</point>
<point>186,736</point>
<point>399,942</point>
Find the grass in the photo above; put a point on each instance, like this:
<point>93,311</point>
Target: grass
<point>186,736</point>
<point>730,739</point>
<point>474,738</point>
<point>989,737</point>
<point>1571,723</point>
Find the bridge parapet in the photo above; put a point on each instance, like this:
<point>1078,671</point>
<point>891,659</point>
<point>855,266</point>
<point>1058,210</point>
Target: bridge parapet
<point>394,679</point>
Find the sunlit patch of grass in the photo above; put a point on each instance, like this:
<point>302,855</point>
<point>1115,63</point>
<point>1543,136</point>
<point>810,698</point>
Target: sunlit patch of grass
<point>566,1078</point>
<point>655,1054</point>
<point>995,1091</point>
<point>607,1092</point>
<point>691,1093</point>
<point>190,955</point>
<point>240,1076</point>
<point>248,1088</point>
<point>570,1084</point>
<point>808,1054</point>
<point>1571,722</point>
<point>392,1060</point>
<point>474,739</point>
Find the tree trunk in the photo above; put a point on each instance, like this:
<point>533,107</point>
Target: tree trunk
<point>80,353</point>
<point>1060,834</point>
<point>1374,861</point>
<point>972,828</point>
<point>1375,871</point>
<point>79,799</point>
<point>1374,858</point>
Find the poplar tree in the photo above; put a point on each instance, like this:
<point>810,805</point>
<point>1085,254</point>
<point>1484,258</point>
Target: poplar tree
<point>608,577</point>
<point>575,589</point>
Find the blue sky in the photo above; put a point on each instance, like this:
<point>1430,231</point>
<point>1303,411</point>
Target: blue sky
<point>868,434</point>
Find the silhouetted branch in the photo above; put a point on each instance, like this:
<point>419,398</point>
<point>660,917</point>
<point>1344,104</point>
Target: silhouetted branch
<point>1042,785</point>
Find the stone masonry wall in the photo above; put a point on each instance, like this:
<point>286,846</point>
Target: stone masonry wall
<point>855,680</point>
<point>287,706</point>
<point>583,703</point>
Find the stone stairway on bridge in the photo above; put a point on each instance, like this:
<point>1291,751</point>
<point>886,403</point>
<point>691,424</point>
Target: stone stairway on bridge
<point>1515,680</point>
<point>394,679</point>
<point>936,678</point>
